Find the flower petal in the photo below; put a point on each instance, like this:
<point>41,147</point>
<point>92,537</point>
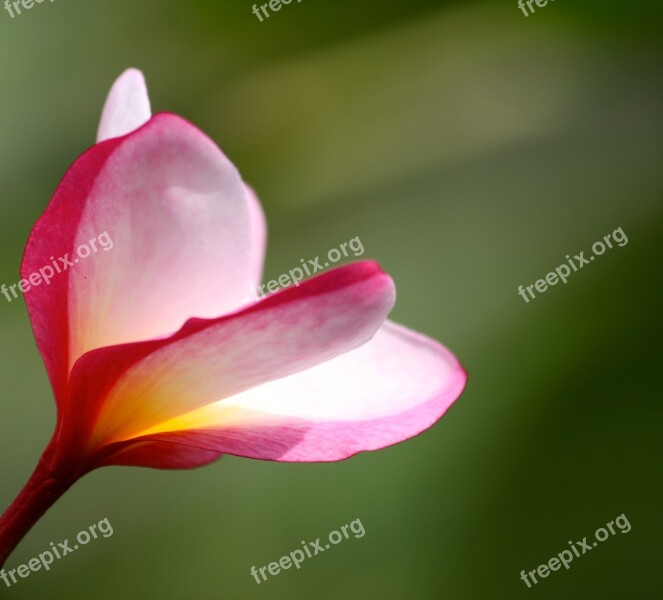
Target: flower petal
<point>391,389</point>
<point>125,392</point>
<point>127,106</point>
<point>258,237</point>
<point>176,212</point>
<point>159,455</point>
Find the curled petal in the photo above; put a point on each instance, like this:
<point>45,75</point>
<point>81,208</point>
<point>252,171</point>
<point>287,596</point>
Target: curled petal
<point>125,392</point>
<point>388,390</point>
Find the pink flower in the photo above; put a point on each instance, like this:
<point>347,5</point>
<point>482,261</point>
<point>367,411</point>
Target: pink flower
<point>156,356</point>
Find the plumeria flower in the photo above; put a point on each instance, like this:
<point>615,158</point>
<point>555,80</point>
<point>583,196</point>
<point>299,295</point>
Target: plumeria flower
<point>155,354</point>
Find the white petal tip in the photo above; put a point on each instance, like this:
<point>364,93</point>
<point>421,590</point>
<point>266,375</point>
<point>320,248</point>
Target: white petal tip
<point>127,106</point>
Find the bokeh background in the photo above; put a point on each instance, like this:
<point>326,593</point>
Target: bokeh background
<point>470,148</point>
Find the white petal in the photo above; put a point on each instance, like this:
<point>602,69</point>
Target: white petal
<point>127,106</point>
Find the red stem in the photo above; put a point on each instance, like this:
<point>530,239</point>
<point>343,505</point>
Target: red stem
<point>46,485</point>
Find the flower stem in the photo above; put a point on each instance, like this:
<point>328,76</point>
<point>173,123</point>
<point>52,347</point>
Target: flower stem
<point>46,485</point>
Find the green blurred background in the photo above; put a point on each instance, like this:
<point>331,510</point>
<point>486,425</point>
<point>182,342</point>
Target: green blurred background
<point>471,149</point>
